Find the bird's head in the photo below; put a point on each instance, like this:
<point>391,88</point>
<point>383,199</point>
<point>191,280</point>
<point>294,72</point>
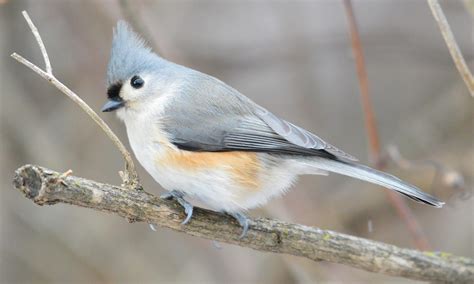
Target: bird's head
<point>134,72</point>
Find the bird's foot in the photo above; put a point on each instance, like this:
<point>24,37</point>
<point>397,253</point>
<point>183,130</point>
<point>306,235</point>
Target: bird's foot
<point>179,196</point>
<point>243,221</point>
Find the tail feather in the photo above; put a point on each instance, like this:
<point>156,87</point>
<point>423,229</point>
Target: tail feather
<point>365,173</point>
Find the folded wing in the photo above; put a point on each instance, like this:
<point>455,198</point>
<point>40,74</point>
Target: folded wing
<point>216,117</point>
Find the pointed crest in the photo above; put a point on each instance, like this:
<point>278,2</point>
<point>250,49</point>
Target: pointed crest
<point>129,54</point>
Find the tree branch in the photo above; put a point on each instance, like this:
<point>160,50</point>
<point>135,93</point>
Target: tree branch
<point>44,186</point>
<point>452,45</point>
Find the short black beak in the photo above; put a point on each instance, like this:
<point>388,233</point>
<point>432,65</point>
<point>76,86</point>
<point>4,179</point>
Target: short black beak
<point>112,105</point>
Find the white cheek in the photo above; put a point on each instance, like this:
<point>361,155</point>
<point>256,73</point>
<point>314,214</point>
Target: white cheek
<point>130,96</point>
<point>128,93</point>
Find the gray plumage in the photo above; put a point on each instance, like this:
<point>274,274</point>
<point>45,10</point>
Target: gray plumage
<point>216,117</point>
<point>377,177</point>
<point>206,115</point>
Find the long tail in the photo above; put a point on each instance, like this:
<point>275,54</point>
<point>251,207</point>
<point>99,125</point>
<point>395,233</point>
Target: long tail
<point>377,177</point>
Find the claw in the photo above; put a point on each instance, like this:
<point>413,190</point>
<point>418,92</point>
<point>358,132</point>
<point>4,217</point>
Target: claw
<point>188,207</point>
<point>243,221</point>
<point>152,227</point>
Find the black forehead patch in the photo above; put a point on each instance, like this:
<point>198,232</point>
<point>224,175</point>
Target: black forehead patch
<point>113,92</point>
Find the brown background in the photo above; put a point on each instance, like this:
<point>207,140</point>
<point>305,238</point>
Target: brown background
<point>294,58</point>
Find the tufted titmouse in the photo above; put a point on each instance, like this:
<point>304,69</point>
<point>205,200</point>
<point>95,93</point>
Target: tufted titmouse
<point>199,137</point>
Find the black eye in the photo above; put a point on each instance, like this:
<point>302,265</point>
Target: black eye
<point>137,82</point>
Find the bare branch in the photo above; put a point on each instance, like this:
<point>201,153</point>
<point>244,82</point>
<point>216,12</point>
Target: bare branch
<point>370,121</point>
<point>452,45</point>
<point>37,35</point>
<point>403,211</point>
<point>129,176</point>
<point>44,186</point>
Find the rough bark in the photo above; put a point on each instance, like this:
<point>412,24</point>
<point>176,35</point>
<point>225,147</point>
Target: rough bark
<point>44,186</point>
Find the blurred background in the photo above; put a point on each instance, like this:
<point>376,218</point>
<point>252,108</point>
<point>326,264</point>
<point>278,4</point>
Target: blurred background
<point>294,58</point>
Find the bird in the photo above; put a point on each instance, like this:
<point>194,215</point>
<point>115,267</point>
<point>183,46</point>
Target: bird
<point>201,139</point>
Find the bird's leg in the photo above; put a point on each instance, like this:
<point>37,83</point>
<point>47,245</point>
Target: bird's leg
<point>179,196</point>
<point>243,221</point>
<point>167,196</point>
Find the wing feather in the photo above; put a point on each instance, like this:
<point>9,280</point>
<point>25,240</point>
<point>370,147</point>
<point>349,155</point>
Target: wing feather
<point>215,117</point>
<point>298,135</point>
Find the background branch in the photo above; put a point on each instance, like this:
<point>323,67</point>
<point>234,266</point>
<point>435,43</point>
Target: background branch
<point>370,121</point>
<point>397,201</point>
<point>44,186</point>
<point>129,176</point>
<point>452,45</point>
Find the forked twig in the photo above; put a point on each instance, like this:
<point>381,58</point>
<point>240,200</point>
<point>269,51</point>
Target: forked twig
<point>396,200</point>
<point>452,45</point>
<point>37,35</point>
<point>129,176</point>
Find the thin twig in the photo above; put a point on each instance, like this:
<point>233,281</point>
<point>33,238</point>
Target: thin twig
<point>37,35</point>
<point>42,187</point>
<point>452,45</point>
<point>130,176</point>
<point>395,199</point>
<point>370,124</point>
